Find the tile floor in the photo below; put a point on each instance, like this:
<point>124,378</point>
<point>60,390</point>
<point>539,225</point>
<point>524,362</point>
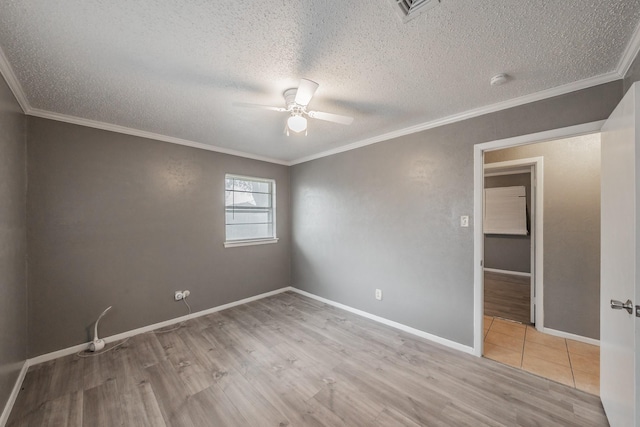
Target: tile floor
<point>569,362</point>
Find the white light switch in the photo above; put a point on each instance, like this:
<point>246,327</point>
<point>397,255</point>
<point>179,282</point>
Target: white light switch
<point>464,221</point>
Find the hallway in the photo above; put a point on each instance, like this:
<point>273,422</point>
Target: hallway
<point>507,296</point>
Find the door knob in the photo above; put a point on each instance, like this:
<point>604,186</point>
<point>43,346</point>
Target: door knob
<point>619,305</point>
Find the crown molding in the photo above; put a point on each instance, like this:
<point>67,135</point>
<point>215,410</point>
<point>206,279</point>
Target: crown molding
<point>514,102</point>
<point>149,135</point>
<point>18,92</point>
<point>12,81</point>
<point>630,53</point>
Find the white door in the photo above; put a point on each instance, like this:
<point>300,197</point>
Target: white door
<point>620,213</point>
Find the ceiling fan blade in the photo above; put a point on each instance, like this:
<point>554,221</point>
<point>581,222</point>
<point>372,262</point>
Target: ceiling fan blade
<point>263,107</point>
<point>330,117</point>
<point>305,91</point>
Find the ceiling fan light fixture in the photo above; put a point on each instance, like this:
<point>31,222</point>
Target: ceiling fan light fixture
<point>297,123</point>
<point>296,101</point>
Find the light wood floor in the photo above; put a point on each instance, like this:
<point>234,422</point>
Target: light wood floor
<point>289,360</point>
<point>507,296</point>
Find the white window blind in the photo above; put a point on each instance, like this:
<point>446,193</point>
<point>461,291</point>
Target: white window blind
<point>505,210</point>
<point>249,208</point>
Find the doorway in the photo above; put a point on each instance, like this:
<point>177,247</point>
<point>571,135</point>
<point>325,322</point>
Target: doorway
<point>522,344</point>
<point>513,270</point>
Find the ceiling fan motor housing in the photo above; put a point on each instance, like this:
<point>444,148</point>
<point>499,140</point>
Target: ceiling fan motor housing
<point>297,101</point>
<point>290,99</point>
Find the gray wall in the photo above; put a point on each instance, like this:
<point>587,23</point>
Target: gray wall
<point>571,230</point>
<point>387,215</point>
<point>506,252</point>
<point>126,221</point>
<point>13,245</point>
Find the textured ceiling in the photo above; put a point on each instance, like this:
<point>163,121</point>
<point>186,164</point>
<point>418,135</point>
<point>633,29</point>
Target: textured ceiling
<point>176,68</point>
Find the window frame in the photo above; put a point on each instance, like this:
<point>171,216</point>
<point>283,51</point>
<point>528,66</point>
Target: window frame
<point>251,241</point>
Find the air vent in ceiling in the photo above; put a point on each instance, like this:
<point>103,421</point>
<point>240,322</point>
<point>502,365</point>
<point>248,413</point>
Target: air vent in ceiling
<point>409,9</point>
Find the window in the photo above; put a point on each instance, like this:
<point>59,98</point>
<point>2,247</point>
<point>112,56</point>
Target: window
<point>250,211</point>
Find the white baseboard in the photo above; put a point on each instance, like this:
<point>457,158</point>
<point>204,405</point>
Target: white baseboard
<point>77,348</point>
<point>74,349</point>
<point>571,336</point>
<point>513,273</point>
<point>4,417</point>
<point>405,328</point>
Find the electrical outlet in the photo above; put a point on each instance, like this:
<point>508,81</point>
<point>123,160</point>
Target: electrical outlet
<point>464,221</point>
<point>179,295</point>
<point>379,294</point>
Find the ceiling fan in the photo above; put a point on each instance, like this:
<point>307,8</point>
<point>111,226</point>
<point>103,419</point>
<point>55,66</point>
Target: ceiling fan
<point>296,101</point>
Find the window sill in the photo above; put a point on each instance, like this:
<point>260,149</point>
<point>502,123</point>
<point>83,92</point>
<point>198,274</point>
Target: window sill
<point>235,243</point>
